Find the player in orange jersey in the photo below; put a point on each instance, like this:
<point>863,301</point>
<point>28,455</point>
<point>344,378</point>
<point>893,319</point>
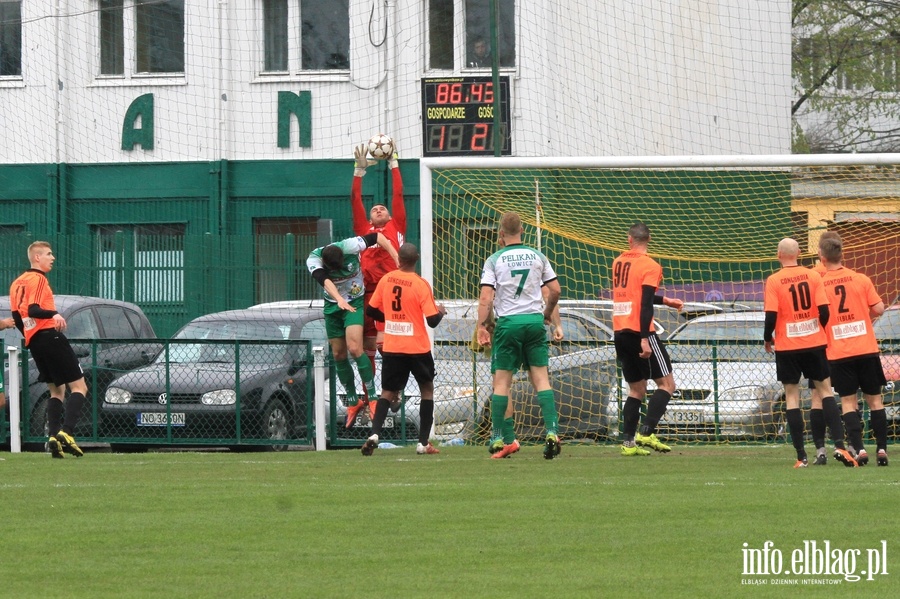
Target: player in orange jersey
<point>853,353</point>
<point>375,261</point>
<point>635,278</point>
<point>823,410</point>
<point>404,302</point>
<point>796,314</point>
<point>34,311</point>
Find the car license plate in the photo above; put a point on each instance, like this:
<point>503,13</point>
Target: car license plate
<point>683,417</point>
<point>364,421</point>
<point>159,419</point>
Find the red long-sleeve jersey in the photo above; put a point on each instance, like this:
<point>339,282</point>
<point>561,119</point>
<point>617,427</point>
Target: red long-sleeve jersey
<point>376,262</point>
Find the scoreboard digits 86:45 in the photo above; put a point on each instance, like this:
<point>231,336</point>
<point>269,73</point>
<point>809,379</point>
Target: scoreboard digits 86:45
<point>458,116</point>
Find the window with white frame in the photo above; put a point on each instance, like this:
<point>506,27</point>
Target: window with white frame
<point>141,37</point>
<point>10,39</point>
<point>477,52</point>
<point>305,35</point>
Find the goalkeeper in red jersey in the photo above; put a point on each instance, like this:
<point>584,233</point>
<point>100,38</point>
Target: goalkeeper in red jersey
<point>375,261</point>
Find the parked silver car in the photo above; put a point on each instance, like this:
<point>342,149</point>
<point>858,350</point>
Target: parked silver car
<point>459,373</point>
<point>726,384</point>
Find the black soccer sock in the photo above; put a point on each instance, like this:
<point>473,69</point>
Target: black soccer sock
<point>73,412</point>
<point>381,409</point>
<point>656,407</point>
<point>631,416</point>
<point>426,419</point>
<point>796,426</point>
<point>878,423</point>
<point>817,424</point>
<point>853,424</point>
<point>833,418</point>
<point>54,416</point>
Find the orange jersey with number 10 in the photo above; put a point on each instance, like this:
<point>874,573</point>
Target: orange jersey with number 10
<point>630,272</point>
<point>850,295</point>
<point>795,293</point>
<point>406,300</point>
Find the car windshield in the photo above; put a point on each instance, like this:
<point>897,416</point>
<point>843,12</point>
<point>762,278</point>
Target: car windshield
<point>231,331</point>
<point>732,330</point>
<point>452,339</point>
<point>721,331</point>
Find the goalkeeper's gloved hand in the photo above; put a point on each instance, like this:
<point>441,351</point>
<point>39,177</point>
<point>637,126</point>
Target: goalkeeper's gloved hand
<point>362,160</point>
<point>392,163</point>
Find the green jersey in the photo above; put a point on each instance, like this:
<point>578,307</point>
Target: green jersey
<point>349,279</point>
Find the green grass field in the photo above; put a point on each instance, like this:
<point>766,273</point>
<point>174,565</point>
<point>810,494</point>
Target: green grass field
<point>458,524</point>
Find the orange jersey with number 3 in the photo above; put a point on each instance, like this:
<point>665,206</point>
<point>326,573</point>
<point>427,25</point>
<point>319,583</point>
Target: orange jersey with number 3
<point>406,300</point>
<point>849,329</point>
<point>795,293</point>
<point>630,272</point>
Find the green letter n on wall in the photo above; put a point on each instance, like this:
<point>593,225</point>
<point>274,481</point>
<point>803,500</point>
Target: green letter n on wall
<point>299,105</point>
<point>142,108</point>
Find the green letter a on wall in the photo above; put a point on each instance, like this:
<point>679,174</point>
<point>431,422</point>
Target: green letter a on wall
<point>142,108</point>
<point>299,105</point>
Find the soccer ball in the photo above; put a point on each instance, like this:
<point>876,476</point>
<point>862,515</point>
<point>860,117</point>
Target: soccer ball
<point>381,146</point>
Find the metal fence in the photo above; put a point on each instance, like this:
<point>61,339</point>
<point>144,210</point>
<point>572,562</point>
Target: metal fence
<point>213,392</point>
<point>260,394</point>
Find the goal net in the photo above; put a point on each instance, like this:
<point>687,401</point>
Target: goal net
<point>715,222</point>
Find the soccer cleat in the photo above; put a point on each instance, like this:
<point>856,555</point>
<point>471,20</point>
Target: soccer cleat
<point>862,458</point>
<point>843,456</point>
<point>652,442</point>
<point>882,458</point>
<point>426,449</point>
<point>352,411</point>
<point>633,450</point>
<point>67,444</point>
<point>801,463</point>
<point>821,460</point>
<point>372,410</point>
<point>552,447</point>
<point>495,446</point>
<point>56,449</point>
<point>507,450</point>
<point>370,445</point>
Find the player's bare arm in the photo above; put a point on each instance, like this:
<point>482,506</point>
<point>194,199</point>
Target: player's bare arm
<point>485,301</point>
<point>332,290</point>
<point>385,244</point>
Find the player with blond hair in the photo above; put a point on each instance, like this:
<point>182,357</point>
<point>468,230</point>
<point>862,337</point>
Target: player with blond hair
<point>853,353</point>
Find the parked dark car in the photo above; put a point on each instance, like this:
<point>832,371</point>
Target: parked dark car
<point>88,319</point>
<point>252,388</point>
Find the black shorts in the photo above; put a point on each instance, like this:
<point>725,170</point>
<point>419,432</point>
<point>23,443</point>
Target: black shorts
<point>811,363</point>
<point>634,367</point>
<point>396,368</point>
<point>863,373</point>
<point>54,358</point>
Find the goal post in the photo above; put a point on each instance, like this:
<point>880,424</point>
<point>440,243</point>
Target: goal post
<point>715,221</point>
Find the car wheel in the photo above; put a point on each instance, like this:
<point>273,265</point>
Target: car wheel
<point>275,424</point>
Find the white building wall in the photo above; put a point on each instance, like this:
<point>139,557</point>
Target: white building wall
<point>634,78</point>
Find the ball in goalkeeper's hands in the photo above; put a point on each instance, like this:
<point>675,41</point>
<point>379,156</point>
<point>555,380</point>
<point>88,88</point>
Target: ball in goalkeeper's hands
<point>380,146</point>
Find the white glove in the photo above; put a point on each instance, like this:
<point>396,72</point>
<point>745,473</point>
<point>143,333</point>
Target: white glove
<point>362,161</point>
<point>392,163</point>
